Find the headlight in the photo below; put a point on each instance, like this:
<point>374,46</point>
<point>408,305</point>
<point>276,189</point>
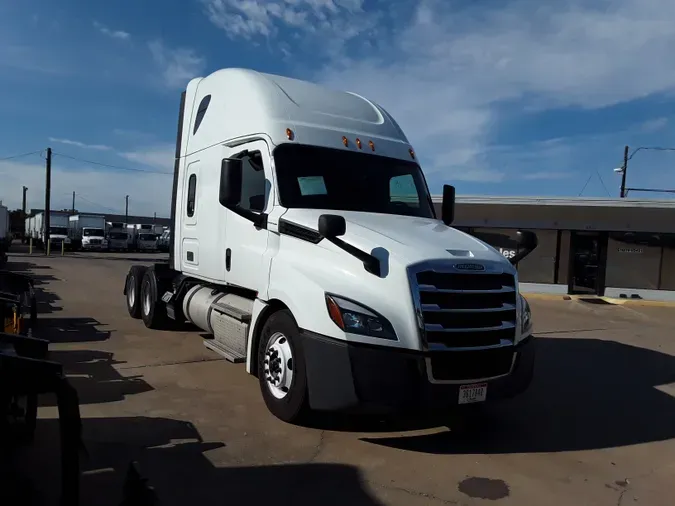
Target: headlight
<point>525,315</point>
<point>357,319</point>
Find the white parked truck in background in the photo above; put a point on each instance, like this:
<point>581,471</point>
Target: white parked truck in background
<point>145,238</point>
<point>117,236</point>
<point>58,229</point>
<point>30,228</point>
<point>314,255</point>
<point>87,232</point>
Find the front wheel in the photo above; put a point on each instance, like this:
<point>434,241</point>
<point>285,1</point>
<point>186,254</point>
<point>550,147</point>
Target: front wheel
<point>281,368</point>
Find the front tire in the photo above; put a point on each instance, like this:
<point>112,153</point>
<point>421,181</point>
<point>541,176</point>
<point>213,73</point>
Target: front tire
<point>281,368</point>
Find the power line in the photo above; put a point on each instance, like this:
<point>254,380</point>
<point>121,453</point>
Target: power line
<point>21,155</point>
<point>585,185</point>
<point>112,166</point>
<point>115,211</point>
<point>602,182</point>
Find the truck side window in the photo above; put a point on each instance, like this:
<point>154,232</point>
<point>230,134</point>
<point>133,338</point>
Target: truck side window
<point>253,183</point>
<point>402,189</point>
<point>201,111</point>
<point>192,193</point>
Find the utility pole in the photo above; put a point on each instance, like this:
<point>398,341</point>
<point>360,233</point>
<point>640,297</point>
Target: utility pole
<point>48,189</point>
<point>622,193</point>
<point>23,205</point>
<point>126,211</point>
<point>73,208</point>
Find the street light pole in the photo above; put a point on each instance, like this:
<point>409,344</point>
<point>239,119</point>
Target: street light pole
<point>622,193</point>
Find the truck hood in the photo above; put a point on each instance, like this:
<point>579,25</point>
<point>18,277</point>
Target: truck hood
<point>407,239</point>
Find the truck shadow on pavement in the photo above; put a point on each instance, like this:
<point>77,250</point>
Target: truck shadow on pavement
<point>95,378</point>
<point>171,456</point>
<point>71,330</point>
<point>46,299</point>
<point>587,394</point>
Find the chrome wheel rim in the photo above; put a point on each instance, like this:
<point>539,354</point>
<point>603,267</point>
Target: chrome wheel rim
<point>278,366</point>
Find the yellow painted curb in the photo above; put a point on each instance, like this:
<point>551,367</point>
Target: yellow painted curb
<point>544,296</point>
<point>608,300</point>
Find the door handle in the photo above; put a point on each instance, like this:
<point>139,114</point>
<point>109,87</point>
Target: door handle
<point>228,259</point>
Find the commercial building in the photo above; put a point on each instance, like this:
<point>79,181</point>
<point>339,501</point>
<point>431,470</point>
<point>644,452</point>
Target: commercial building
<point>155,220</point>
<point>611,247</point>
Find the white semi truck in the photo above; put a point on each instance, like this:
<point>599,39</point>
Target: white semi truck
<point>87,232</point>
<point>304,241</point>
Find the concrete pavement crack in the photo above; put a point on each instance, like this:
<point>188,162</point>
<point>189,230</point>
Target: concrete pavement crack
<point>177,362</point>
<point>319,447</point>
<point>415,493</point>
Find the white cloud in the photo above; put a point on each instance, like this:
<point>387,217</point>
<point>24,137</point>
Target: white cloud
<point>115,34</point>
<point>654,125</point>
<point>96,190</point>
<point>177,66</point>
<point>447,73</point>
<point>547,175</point>
<point>97,147</point>
<point>160,156</point>
<point>329,23</point>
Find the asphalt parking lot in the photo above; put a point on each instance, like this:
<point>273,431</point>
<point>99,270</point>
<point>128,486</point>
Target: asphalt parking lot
<point>595,428</point>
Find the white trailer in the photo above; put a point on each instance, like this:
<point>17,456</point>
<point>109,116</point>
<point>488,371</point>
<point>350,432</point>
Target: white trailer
<point>87,232</point>
<point>315,255</point>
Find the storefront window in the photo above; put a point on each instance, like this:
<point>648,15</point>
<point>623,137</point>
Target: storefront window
<point>633,260</point>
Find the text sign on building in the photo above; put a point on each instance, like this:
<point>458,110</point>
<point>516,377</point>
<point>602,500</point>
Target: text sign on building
<point>630,250</point>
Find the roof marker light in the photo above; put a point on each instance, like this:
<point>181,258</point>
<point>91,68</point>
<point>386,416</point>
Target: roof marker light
<point>358,143</point>
<point>289,134</point>
<point>372,145</point>
<point>412,153</point>
<point>345,141</point>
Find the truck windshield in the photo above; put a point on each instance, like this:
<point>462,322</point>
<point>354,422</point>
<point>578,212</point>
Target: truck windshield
<point>118,236</point>
<point>58,231</point>
<point>93,232</point>
<point>313,177</point>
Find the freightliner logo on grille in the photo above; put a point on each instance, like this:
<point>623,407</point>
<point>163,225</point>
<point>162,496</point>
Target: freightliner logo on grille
<point>470,267</point>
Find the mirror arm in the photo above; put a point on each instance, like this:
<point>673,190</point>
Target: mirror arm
<point>520,255</point>
<point>370,263</point>
<point>259,220</point>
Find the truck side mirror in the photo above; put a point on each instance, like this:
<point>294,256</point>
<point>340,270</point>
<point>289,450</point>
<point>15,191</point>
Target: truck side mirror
<point>230,182</point>
<point>527,243</point>
<point>526,239</point>
<point>332,225</point>
<point>448,206</point>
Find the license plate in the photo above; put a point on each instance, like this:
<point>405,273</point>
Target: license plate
<point>468,394</point>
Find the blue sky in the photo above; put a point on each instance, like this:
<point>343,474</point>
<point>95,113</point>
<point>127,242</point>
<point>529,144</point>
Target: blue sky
<point>498,97</point>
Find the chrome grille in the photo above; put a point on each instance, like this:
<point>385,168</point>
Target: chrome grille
<point>466,310</point>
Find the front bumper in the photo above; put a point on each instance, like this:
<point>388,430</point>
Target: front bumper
<point>376,379</point>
